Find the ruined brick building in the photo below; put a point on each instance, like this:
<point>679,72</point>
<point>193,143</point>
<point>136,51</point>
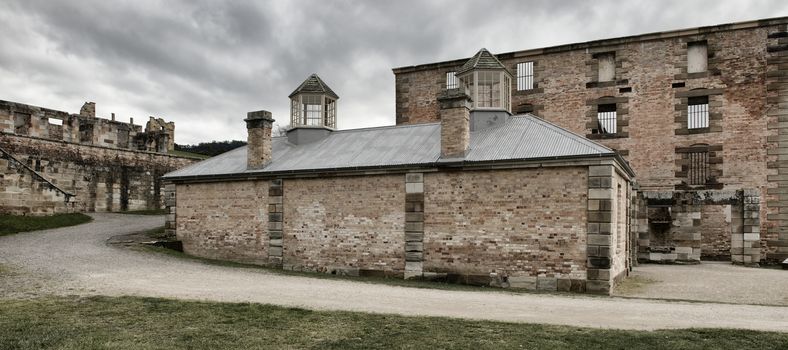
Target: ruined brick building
<point>52,161</point>
<point>518,169</point>
<point>700,114</point>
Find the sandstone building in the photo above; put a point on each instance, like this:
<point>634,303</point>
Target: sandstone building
<point>52,161</point>
<point>700,114</point>
<point>479,197</point>
<point>518,169</point>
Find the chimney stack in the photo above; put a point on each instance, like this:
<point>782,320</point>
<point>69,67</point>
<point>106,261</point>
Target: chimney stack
<point>258,127</point>
<point>455,123</point>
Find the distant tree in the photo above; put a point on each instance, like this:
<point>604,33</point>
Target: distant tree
<point>280,130</point>
<point>212,148</point>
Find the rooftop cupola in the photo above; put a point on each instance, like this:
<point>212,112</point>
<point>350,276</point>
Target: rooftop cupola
<point>487,82</point>
<point>313,104</point>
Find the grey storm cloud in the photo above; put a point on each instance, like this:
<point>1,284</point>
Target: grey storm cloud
<point>204,64</point>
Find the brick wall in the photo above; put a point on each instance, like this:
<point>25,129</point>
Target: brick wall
<point>102,178</point>
<point>344,224</point>
<point>651,91</point>
<point>520,228</point>
<point>516,223</point>
<point>224,220</point>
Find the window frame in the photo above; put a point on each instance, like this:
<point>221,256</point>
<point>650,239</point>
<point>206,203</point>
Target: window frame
<point>452,82</point>
<point>525,76</point>
<point>606,116</point>
<point>697,112</point>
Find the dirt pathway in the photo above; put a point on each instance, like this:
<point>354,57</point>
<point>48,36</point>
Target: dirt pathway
<point>76,260</point>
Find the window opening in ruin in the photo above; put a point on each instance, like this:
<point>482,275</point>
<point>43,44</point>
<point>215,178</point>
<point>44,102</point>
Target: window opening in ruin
<point>525,76</point>
<point>451,81</point>
<point>698,112</point>
<point>55,121</point>
<point>607,66</point>
<point>606,118</point>
<point>697,57</point>
<point>21,123</point>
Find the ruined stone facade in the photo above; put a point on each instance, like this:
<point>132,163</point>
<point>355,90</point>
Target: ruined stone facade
<point>54,162</point>
<point>651,82</point>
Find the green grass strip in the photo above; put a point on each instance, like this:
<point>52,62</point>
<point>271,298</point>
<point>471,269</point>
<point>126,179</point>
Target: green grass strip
<point>152,323</point>
<point>13,223</point>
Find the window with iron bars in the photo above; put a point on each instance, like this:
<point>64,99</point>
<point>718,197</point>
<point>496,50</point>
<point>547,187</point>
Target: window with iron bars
<point>697,167</point>
<point>525,76</point>
<point>606,118</point>
<point>698,112</point>
<point>451,81</point>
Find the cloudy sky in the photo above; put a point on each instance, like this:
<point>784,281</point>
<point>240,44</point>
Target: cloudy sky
<point>204,64</point>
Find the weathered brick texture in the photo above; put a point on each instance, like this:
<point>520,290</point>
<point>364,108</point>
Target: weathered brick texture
<point>345,224</point>
<point>651,90</point>
<point>227,220</point>
<point>516,223</point>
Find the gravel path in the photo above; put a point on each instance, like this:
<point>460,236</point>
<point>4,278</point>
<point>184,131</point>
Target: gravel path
<point>76,260</point>
<point>715,281</point>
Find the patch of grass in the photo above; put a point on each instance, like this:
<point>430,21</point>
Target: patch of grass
<point>188,154</point>
<point>13,223</point>
<point>152,323</point>
<point>145,212</point>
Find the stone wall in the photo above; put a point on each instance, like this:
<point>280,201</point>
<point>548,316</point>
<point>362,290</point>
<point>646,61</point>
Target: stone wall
<point>344,224</point>
<point>651,90</point>
<point>85,128</point>
<point>527,225</point>
<point>523,228</point>
<point>100,178</point>
<point>224,220</point>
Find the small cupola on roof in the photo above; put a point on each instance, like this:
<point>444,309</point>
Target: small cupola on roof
<point>313,104</point>
<point>487,82</point>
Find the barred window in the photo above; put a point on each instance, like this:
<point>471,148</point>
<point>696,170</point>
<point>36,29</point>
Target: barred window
<point>606,118</point>
<point>697,167</point>
<point>698,112</point>
<point>451,81</point>
<point>525,76</point>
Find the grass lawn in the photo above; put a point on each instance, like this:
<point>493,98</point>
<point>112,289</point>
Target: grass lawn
<point>12,224</point>
<point>188,154</point>
<point>148,323</point>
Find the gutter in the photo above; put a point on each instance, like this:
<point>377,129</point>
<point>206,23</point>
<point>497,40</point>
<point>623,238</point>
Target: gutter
<point>433,166</point>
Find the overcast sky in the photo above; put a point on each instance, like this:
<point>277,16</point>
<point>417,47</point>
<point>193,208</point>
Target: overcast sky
<point>204,64</point>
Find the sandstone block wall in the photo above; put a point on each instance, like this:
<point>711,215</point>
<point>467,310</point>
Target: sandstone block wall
<point>85,128</point>
<point>527,225</point>
<point>226,221</point>
<point>523,228</point>
<point>651,91</point>
<point>344,224</point>
<point>101,178</point>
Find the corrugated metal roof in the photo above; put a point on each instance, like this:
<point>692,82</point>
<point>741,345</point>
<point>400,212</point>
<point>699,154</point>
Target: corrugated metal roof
<point>521,137</point>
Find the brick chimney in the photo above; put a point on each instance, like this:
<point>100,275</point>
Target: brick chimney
<point>455,123</point>
<point>258,127</point>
